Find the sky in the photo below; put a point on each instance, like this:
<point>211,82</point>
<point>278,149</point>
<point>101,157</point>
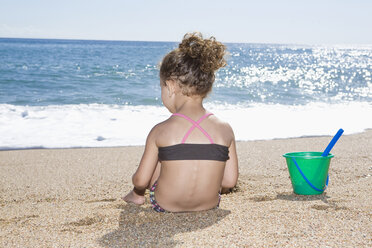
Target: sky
<point>245,21</point>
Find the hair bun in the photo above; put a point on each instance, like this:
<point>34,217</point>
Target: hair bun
<point>209,52</point>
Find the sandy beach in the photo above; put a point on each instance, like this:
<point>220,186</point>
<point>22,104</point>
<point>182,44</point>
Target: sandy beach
<point>71,198</point>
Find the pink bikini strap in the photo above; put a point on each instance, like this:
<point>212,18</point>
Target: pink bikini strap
<point>195,124</point>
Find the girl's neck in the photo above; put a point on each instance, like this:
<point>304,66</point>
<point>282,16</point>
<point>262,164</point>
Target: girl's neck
<point>190,105</point>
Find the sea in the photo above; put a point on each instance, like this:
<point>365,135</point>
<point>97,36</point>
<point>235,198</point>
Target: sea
<point>87,93</point>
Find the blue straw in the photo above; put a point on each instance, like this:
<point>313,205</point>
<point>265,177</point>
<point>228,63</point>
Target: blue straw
<point>332,143</point>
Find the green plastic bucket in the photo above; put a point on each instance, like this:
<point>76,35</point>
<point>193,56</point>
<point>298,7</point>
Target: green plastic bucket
<point>308,171</point>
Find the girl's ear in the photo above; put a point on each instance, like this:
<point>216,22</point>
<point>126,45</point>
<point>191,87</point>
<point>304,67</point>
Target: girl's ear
<point>171,86</point>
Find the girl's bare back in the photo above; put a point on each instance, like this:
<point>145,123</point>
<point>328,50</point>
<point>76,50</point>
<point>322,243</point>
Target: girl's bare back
<point>191,185</point>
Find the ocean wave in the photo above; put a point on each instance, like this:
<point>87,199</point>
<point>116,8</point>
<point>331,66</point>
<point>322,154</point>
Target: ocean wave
<point>101,125</point>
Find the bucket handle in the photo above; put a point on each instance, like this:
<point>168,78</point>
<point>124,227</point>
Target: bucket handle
<point>307,180</point>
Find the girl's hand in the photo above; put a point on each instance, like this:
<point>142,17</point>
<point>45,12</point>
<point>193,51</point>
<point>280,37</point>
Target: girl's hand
<point>134,198</point>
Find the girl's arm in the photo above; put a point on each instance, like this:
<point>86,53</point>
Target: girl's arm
<point>142,177</point>
<point>231,173</point>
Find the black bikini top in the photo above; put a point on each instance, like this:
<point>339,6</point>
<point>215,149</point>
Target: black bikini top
<point>186,151</point>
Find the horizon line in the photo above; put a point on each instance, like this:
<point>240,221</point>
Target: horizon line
<point>163,41</point>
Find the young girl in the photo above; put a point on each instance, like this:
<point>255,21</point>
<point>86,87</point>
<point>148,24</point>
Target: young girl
<point>190,157</point>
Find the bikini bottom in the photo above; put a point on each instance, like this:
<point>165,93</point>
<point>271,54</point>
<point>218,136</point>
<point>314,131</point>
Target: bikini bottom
<point>154,203</point>
<point>157,207</point>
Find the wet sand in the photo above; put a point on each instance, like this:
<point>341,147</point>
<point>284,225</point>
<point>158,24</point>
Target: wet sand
<point>71,198</point>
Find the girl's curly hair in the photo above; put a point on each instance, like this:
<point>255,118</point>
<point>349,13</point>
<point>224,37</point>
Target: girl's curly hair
<point>194,63</point>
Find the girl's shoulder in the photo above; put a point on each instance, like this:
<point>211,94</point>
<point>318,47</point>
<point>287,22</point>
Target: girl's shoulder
<point>223,128</point>
<point>163,131</point>
<point>220,124</point>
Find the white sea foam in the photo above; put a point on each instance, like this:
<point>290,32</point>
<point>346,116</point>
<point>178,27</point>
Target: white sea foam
<point>262,122</point>
<point>97,125</point>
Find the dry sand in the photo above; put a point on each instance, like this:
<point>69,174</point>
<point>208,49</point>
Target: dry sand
<point>71,198</point>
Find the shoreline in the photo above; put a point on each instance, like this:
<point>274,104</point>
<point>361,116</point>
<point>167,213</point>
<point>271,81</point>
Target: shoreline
<point>71,197</point>
<point>124,146</point>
